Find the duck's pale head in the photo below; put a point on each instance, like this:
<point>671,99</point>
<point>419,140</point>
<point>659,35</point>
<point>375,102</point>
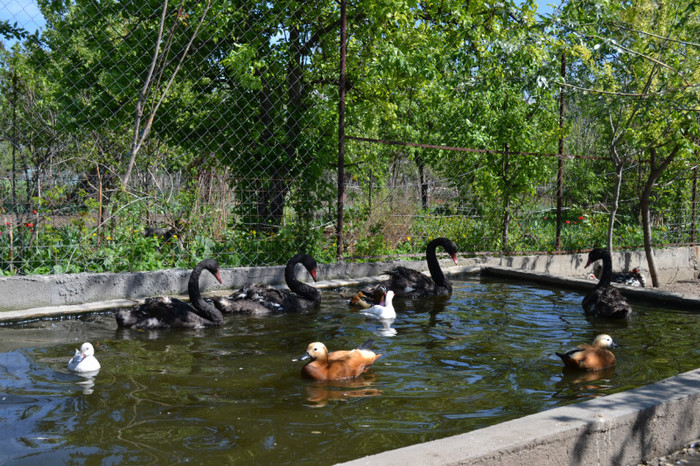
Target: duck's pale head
<point>604,341</point>
<point>315,351</point>
<point>87,350</point>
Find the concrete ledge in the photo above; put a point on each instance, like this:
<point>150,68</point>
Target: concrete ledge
<point>38,291</point>
<point>26,292</point>
<point>665,298</point>
<point>624,428</point>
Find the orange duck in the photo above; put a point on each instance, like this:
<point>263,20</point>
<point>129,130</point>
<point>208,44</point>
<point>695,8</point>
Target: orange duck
<point>337,365</point>
<point>591,357</point>
<point>361,301</point>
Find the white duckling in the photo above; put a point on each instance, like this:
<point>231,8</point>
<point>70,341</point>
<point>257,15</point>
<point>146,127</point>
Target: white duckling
<point>84,360</point>
<point>382,311</point>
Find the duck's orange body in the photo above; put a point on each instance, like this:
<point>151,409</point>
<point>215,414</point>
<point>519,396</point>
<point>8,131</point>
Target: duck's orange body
<point>358,300</point>
<point>338,364</point>
<point>361,301</point>
<point>591,357</point>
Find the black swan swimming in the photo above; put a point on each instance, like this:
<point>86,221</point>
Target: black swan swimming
<point>410,283</point>
<point>605,300</point>
<point>166,312</point>
<point>260,300</point>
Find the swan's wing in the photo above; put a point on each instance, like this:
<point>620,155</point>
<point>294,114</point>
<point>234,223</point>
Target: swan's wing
<point>408,281</point>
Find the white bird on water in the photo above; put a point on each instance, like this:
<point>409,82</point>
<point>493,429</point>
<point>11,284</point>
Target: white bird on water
<point>84,360</point>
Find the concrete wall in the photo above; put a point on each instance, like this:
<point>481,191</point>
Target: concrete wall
<point>624,428</point>
<point>26,292</point>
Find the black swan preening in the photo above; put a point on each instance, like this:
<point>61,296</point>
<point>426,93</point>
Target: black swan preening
<point>635,277</point>
<point>409,283</point>
<point>258,299</point>
<point>605,300</point>
<point>167,312</point>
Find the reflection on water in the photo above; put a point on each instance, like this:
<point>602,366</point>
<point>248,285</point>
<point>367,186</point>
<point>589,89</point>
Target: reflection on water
<point>584,384</point>
<point>319,393</point>
<point>386,330</point>
<point>234,395</point>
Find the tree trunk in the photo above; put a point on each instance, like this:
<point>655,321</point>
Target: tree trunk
<point>616,203</point>
<point>506,198</point>
<point>654,174</point>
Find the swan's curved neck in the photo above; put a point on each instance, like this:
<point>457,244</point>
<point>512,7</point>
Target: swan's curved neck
<point>300,288</point>
<point>434,266</point>
<point>606,276</point>
<point>204,309</point>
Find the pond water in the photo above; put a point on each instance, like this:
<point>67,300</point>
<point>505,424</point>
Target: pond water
<point>234,394</point>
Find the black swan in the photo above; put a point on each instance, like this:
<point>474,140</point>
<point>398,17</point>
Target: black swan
<point>409,283</point>
<point>257,299</point>
<point>166,312</point>
<point>605,300</point>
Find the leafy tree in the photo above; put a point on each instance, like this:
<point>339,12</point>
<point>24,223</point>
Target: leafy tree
<point>640,61</point>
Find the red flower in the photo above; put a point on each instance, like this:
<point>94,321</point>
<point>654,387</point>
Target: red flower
<point>7,223</point>
<point>567,222</point>
<point>34,211</point>
<point>30,225</point>
<point>580,218</point>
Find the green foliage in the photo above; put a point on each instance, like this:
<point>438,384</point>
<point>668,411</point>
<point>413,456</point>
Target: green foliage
<point>241,158</point>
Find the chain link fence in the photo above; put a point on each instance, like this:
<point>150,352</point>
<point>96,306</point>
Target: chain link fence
<point>147,135</point>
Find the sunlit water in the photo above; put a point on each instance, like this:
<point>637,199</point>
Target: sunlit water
<point>234,395</point>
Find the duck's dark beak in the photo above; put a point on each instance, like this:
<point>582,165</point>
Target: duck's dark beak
<point>305,357</point>
<point>614,345</point>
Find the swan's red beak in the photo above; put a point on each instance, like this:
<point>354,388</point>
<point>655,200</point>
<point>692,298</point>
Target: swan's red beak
<point>454,258</point>
<point>313,274</point>
<point>218,276</point>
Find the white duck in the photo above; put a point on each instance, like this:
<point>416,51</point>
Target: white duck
<point>382,311</point>
<point>84,360</point>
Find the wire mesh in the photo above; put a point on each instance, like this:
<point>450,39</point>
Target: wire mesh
<point>146,135</point>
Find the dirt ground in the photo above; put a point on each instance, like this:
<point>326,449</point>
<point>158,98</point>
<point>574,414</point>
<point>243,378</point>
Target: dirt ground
<point>690,287</point>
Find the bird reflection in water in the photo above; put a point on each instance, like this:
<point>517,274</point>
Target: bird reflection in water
<point>386,330</point>
<point>320,393</point>
<point>584,384</point>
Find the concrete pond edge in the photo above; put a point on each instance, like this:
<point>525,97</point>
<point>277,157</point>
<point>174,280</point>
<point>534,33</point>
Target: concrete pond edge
<point>624,428</point>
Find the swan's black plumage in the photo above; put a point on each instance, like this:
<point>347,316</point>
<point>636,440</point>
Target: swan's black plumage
<point>410,283</point>
<point>258,299</point>
<point>167,312</point>
<point>605,300</point>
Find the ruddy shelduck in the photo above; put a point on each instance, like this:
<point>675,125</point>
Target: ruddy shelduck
<point>591,357</point>
<point>337,365</point>
<point>367,299</point>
